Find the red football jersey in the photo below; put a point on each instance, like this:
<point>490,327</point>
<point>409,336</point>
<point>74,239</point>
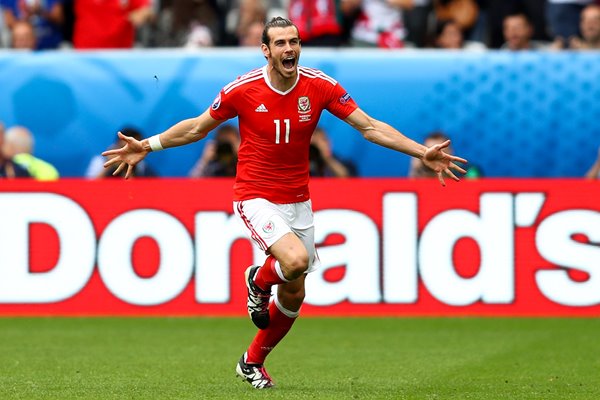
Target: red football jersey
<point>275,129</point>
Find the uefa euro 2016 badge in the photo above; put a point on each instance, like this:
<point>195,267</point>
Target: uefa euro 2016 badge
<point>345,98</point>
<point>216,102</point>
<point>268,227</point>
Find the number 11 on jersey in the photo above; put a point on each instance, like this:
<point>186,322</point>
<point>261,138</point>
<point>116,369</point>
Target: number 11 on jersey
<point>278,130</point>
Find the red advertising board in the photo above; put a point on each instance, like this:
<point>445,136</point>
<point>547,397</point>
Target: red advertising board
<point>387,246</point>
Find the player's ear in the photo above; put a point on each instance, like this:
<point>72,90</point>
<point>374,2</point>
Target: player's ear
<point>265,50</point>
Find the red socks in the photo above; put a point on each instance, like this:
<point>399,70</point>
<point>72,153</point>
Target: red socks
<point>280,323</point>
<point>267,276</point>
<point>266,339</point>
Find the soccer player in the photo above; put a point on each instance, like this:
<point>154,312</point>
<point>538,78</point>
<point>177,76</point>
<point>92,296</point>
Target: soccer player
<point>278,107</point>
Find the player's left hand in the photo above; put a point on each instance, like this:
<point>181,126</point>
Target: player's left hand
<point>443,163</point>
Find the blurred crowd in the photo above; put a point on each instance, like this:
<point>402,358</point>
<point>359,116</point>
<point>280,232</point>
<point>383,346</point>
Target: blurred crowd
<point>444,24</point>
<point>392,24</point>
<point>217,159</point>
<point>17,159</point>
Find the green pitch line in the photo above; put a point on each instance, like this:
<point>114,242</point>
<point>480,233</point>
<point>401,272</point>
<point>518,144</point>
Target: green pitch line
<point>322,358</point>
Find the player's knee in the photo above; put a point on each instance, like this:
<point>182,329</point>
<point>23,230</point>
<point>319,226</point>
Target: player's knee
<point>297,265</point>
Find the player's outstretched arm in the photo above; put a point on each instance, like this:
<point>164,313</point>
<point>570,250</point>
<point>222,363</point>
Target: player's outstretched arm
<point>385,135</point>
<point>182,133</point>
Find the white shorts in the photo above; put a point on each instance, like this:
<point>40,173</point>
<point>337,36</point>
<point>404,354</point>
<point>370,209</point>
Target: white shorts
<point>267,222</point>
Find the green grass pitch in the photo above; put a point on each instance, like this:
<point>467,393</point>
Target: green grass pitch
<point>322,358</point>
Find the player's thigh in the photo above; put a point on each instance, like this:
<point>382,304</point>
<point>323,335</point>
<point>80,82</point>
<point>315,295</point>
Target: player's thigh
<point>283,230</point>
<point>264,222</point>
<point>289,250</point>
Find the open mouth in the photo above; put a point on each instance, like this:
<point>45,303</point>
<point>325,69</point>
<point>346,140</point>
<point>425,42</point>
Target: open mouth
<point>289,62</point>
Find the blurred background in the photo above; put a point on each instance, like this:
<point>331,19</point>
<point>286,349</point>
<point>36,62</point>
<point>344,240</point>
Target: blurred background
<point>514,80</point>
<point>515,84</point>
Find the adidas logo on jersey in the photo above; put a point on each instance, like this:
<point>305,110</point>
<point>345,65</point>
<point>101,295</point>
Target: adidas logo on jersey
<point>261,108</point>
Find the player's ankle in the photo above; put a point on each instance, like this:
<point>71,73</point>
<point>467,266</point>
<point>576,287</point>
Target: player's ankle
<point>260,282</point>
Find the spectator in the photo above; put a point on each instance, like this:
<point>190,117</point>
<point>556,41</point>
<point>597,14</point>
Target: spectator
<point>517,33</point>
<point>449,36</point>
<point>18,145</point>
<point>96,168</point>
<point>250,11</point>
<point>109,24</point>
<point>419,170</point>
<point>199,36</point>
<point>594,171</point>
<point>188,23</point>
<point>493,12</point>
<point>380,24</point>
<point>239,15</point>
<point>416,20</point>
<point>46,17</point>
<point>320,23</point>
<point>590,30</point>
<point>323,162</point>
<point>8,168</point>
<point>463,12</point>
<point>23,36</point>
<point>252,37</point>
<point>562,17</point>
<point>219,157</point>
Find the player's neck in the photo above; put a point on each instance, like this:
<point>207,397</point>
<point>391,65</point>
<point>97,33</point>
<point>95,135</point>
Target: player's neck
<point>280,82</point>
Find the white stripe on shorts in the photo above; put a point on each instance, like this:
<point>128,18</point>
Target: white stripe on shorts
<point>255,236</point>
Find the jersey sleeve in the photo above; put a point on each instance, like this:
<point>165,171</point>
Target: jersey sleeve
<point>340,103</point>
<point>223,106</point>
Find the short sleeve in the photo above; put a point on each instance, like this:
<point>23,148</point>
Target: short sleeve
<point>223,107</point>
<point>340,103</point>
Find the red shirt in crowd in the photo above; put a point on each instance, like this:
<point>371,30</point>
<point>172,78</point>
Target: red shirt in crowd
<point>315,18</point>
<point>104,24</point>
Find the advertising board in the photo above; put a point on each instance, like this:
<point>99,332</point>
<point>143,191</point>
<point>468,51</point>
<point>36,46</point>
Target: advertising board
<point>387,247</point>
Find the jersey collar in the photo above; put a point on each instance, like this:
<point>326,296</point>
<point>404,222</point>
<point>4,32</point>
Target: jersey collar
<point>268,82</point>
